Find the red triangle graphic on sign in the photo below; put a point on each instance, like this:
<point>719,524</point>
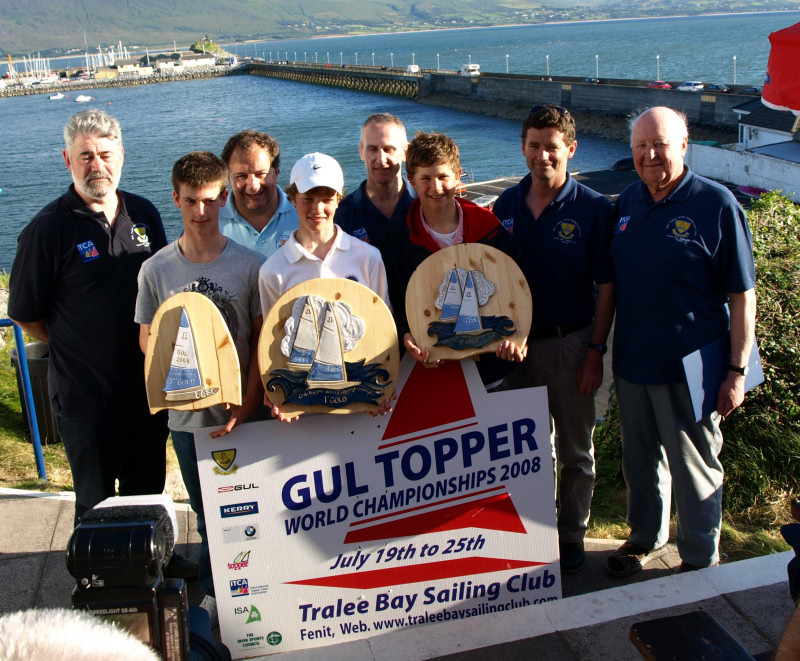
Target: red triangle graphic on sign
<point>493,513</point>
<point>430,571</point>
<point>431,398</point>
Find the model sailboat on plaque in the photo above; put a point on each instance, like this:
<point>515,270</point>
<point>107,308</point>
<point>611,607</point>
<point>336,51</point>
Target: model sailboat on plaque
<point>327,368</point>
<point>306,339</point>
<point>184,379</point>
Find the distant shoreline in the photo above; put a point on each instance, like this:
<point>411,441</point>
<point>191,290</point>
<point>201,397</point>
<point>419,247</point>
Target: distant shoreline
<point>512,25</point>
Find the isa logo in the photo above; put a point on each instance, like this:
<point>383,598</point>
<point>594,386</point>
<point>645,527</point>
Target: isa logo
<point>239,587</point>
<point>87,251</point>
<point>238,509</point>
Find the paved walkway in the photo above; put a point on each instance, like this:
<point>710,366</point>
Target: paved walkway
<point>749,598</point>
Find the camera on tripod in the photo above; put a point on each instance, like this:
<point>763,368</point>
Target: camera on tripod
<point>117,555</point>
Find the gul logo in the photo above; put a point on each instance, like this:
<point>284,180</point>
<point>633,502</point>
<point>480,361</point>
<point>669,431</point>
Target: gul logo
<point>237,487</point>
<point>567,231</point>
<point>87,251</point>
<point>240,562</point>
<point>140,236</point>
<point>238,534</point>
<point>238,509</point>
<point>682,228</point>
<point>622,224</point>
<point>239,587</point>
<point>224,460</point>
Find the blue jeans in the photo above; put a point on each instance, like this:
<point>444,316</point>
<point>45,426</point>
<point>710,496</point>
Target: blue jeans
<point>183,441</point>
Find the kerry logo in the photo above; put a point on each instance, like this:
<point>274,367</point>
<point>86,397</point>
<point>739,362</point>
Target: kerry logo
<point>224,460</point>
<point>682,228</point>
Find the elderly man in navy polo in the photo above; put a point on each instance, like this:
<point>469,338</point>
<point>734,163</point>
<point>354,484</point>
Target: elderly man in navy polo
<point>683,256</point>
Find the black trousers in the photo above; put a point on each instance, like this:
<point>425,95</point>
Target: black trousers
<point>103,445</point>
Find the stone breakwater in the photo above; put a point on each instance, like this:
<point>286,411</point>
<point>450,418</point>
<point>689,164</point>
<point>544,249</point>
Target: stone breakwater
<point>128,81</point>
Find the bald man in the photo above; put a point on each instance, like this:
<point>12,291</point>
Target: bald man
<point>683,257</point>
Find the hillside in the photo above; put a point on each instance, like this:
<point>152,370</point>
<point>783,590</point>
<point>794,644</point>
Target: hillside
<point>58,26</point>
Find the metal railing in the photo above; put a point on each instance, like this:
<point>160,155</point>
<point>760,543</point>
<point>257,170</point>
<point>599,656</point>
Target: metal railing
<point>27,391</point>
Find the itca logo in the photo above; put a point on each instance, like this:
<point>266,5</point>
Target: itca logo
<point>240,562</point>
<point>239,587</point>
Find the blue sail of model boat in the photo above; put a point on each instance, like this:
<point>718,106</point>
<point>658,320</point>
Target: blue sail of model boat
<point>469,320</point>
<point>452,298</point>
<point>327,370</point>
<point>184,376</point>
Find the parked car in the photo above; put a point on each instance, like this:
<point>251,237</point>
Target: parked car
<point>660,85</point>
<point>753,91</point>
<point>721,89</point>
<point>691,86</point>
<point>594,81</point>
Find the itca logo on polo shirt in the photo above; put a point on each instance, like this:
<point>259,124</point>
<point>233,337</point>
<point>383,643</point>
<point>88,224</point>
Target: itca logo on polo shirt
<point>238,509</point>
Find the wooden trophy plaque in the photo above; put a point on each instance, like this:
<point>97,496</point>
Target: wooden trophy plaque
<point>328,345</point>
<point>467,299</point>
<point>191,361</point>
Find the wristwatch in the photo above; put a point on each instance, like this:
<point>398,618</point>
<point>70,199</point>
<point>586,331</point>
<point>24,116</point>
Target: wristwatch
<point>739,370</point>
<point>602,349</point>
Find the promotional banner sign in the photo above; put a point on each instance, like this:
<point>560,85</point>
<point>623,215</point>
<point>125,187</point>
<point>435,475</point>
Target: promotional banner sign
<point>336,528</point>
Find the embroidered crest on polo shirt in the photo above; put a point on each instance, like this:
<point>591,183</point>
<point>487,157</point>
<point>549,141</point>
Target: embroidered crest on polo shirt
<point>682,229</point>
<point>87,251</point>
<point>622,224</point>
<point>281,239</point>
<point>140,235</point>
<point>567,231</point>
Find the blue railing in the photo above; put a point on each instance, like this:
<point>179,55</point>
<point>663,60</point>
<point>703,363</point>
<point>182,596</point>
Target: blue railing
<point>33,422</point>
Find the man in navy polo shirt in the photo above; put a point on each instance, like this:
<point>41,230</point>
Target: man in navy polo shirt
<point>563,230</point>
<point>73,284</point>
<point>682,250</point>
<point>384,195</point>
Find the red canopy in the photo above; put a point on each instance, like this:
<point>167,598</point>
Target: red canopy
<point>782,86</point>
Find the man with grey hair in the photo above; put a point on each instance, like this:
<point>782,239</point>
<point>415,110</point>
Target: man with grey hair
<point>384,195</point>
<point>683,257</point>
<point>73,285</point>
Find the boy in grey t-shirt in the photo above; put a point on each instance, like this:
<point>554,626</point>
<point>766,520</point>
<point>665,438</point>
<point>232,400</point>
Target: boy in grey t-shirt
<point>205,261</point>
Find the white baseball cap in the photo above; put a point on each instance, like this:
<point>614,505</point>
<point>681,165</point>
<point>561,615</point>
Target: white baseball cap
<point>315,170</point>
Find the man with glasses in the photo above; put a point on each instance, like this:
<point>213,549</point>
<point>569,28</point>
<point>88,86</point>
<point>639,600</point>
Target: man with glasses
<point>563,230</point>
<point>258,215</point>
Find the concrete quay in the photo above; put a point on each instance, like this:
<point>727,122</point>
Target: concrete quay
<point>750,598</point>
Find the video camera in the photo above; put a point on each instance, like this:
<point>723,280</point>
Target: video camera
<point>117,555</point>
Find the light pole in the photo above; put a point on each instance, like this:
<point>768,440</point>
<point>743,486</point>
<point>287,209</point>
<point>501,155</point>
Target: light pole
<point>285,55</point>
<point>548,65</point>
<point>304,56</point>
<point>412,59</point>
<point>437,61</point>
<point>506,62</point>
<point>329,56</point>
<point>597,66</point>
<point>295,57</point>
<point>392,55</point>
<point>658,67</point>
<point>356,58</point>
<point>373,58</point>
<point>316,58</point>
<point>341,60</point>
<point>470,58</point>
<point>270,56</point>
<point>734,69</point>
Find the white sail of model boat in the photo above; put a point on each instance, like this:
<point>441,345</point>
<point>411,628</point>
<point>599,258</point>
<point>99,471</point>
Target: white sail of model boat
<point>305,339</point>
<point>469,319</point>
<point>184,380</point>
<point>327,369</point>
<point>452,299</point>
